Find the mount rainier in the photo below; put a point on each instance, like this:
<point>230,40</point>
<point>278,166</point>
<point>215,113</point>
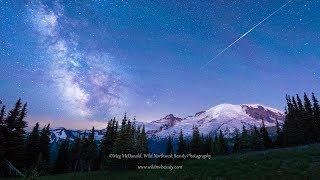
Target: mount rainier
<point>224,117</point>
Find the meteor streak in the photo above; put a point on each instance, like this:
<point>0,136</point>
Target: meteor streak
<point>205,65</point>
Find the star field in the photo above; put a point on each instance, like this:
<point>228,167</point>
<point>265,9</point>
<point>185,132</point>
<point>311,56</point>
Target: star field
<point>92,60</point>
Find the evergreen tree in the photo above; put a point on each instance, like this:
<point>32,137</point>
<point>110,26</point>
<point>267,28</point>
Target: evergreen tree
<point>129,138</point>
<point>3,135</point>
<point>290,128</point>
<point>33,147</point>
<point>302,122</point>
<point>181,144</point>
<point>15,136</point>
<point>245,139</point>
<point>202,144</point>
<point>316,113</point>
<point>216,145</point>
<point>45,149</point>
<point>130,147</point>
<point>2,140</point>
<point>169,149</point>
<point>120,142</point>
<point>76,155</point>
<point>61,164</point>
<point>2,113</point>
<point>125,144</point>
<point>3,130</point>
<point>279,139</point>
<point>144,141</point>
<point>237,142</point>
<point>143,146</point>
<point>119,147</point>
<point>195,144</point>
<point>107,143</point>
<point>267,143</point>
<point>310,129</point>
<point>208,145</point>
<point>91,157</point>
<point>256,139</point>
<point>223,149</point>
<point>187,147</point>
<point>136,136</point>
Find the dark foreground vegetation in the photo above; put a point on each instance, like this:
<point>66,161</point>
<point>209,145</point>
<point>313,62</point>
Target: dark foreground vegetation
<point>28,154</point>
<point>301,162</point>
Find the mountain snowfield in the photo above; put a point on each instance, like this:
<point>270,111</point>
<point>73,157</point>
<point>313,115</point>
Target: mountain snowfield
<point>58,134</point>
<point>225,117</point>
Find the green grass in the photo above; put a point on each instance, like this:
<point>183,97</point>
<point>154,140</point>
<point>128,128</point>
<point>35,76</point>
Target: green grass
<point>288,163</point>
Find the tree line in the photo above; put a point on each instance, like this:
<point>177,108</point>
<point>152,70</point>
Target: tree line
<point>302,123</point>
<point>84,154</point>
<point>218,144</point>
<point>21,154</point>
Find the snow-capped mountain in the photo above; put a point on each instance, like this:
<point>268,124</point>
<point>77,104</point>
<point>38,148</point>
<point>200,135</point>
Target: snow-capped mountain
<point>162,124</point>
<point>62,133</point>
<point>224,117</point>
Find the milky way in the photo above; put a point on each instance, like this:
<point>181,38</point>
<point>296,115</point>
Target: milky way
<point>93,60</point>
<point>87,82</point>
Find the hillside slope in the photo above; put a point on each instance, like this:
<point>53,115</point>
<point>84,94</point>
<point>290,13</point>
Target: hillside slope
<point>288,163</point>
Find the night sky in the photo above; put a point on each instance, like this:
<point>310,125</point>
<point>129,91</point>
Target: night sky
<point>82,62</point>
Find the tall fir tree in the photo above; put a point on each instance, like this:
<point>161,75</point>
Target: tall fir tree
<point>291,129</point>
<point>119,145</point>
<point>107,143</point>
<point>310,129</point>
<point>89,154</point>
<point>62,162</point>
<point>223,149</point>
<point>143,146</point>
<point>143,141</point>
<point>3,135</point>
<point>76,159</point>
<point>257,142</point>
<point>15,138</point>
<point>216,145</point>
<point>195,143</point>
<point>316,113</point>
<point>2,113</point>
<point>125,143</point>
<point>32,147</point>
<point>236,142</point>
<point>182,149</point>
<point>302,122</point>
<point>267,142</point>
<point>169,147</point>
<point>208,145</point>
<point>3,130</point>
<point>44,146</point>
<point>244,139</point>
<point>168,151</point>
<point>279,137</point>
